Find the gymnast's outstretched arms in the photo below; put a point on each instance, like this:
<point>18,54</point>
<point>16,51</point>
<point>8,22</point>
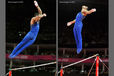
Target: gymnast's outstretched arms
<point>84,12</point>
<point>39,16</point>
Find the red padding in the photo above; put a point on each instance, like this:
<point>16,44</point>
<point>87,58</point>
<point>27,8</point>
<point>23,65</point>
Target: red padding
<point>61,72</point>
<point>10,72</point>
<point>97,66</point>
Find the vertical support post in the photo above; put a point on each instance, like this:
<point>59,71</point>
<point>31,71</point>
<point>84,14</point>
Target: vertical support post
<point>11,63</point>
<point>105,52</point>
<point>97,66</point>
<point>84,53</point>
<point>55,73</point>
<point>63,52</point>
<point>82,70</point>
<point>37,49</point>
<point>61,72</point>
<point>34,63</point>
<point>103,69</point>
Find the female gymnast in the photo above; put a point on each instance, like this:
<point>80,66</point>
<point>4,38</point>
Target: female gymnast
<point>30,38</point>
<point>78,26</point>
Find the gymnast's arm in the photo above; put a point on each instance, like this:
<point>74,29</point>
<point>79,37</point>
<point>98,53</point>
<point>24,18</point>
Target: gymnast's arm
<point>71,22</point>
<point>86,12</point>
<point>38,7</point>
<point>39,16</point>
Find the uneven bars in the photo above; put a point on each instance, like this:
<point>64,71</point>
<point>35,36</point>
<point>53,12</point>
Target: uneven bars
<point>33,66</point>
<point>80,61</point>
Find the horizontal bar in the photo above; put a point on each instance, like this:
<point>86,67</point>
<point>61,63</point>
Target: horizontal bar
<point>79,61</point>
<point>33,66</point>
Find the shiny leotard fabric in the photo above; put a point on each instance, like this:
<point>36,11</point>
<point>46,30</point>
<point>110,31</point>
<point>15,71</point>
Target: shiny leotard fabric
<point>77,31</point>
<point>28,40</point>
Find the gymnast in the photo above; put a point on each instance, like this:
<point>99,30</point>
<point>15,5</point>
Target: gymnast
<point>78,26</point>
<point>30,37</point>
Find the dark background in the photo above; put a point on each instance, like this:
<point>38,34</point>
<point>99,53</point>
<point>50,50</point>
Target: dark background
<point>18,16</point>
<point>95,25</point>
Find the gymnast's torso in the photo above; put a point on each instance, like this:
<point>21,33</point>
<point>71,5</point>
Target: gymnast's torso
<point>34,29</point>
<point>79,19</point>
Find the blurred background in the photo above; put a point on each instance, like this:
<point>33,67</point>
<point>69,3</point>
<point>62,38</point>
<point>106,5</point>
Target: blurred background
<point>94,35</point>
<point>18,16</point>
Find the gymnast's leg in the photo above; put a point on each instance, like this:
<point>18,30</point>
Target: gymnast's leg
<point>30,42</point>
<point>76,37</point>
<point>21,44</point>
<point>79,40</point>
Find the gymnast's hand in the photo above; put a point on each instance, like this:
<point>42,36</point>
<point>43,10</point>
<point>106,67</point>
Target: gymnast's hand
<point>36,3</point>
<point>69,23</point>
<point>93,10</point>
<point>44,14</point>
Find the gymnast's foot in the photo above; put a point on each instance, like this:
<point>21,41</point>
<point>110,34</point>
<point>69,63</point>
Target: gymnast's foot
<point>79,50</point>
<point>11,56</point>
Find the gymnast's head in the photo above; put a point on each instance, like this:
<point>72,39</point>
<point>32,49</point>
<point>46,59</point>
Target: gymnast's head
<point>84,7</point>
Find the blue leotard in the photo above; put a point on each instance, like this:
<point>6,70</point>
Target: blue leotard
<point>77,31</point>
<point>28,40</point>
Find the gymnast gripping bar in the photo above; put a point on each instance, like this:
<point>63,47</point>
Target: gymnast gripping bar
<point>33,66</point>
<point>80,61</point>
